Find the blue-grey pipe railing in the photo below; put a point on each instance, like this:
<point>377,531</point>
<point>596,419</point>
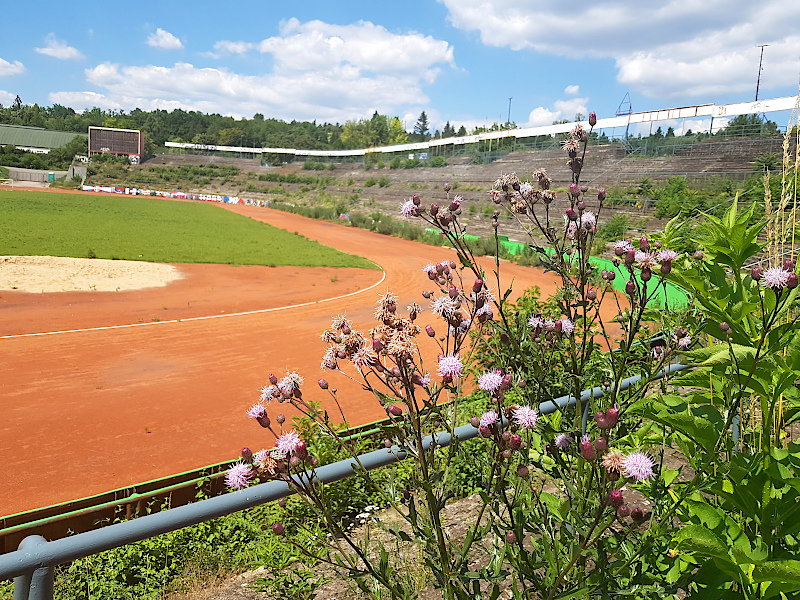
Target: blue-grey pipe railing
<point>32,564</point>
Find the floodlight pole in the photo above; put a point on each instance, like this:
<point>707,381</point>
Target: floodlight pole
<point>760,61</point>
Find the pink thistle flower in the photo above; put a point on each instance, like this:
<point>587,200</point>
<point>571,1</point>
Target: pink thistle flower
<point>256,411</point>
<point>572,230</point>
<point>645,260</point>
<point>489,418</point>
<point>425,379</point>
<point>450,366</point>
<point>567,326</point>
<point>409,209</point>
<point>429,268</point>
<point>269,393</point>
<point>638,466</point>
<point>526,417</point>
<point>684,341</point>
<point>525,189</point>
<point>667,255</point>
<point>622,246</point>
<point>535,322</point>
<point>589,221</point>
<point>563,441</point>
<point>443,306</point>
<point>490,381</point>
<point>329,359</point>
<point>288,444</point>
<point>775,278</point>
<point>238,476</point>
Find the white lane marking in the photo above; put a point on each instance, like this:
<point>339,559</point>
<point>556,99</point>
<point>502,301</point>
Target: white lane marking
<point>238,314</point>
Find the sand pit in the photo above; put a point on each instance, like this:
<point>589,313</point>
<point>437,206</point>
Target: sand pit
<point>45,274</point>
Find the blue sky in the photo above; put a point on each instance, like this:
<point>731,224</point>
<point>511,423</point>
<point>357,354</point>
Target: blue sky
<point>459,60</point>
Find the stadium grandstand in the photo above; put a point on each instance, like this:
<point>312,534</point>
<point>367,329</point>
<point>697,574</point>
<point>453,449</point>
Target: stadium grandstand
<point>35,139</point>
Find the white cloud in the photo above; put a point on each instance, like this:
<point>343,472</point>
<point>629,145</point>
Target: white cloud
<point>58,49</point>
<point>680,48</point>
<point>562,109</point>
<point>572,90</point>
<point>324,72</point>
<point>164,39</point>
<point>317,46</point>
<point>229,47</point>
<point>8,68</point>
<point>6,98</point>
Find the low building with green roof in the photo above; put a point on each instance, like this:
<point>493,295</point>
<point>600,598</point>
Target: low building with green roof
<point>35,139</point>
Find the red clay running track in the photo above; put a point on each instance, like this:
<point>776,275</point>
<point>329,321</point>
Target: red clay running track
<point>84,412</point>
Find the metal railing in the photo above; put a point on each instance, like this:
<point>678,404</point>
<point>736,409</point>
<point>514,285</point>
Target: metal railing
<point>32,565</point>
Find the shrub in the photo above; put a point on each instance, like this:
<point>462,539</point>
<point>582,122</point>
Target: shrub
<point>370,181</point>
<point>384,182</point>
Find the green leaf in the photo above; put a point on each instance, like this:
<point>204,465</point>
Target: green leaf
<point>696,538</point>
<point>784,571</point>
<point>698,429</point>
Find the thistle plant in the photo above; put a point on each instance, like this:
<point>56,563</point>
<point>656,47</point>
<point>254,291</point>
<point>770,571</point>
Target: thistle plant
<point>553,517</point>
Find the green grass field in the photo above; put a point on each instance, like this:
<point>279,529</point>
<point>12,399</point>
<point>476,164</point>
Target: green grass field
<point>151,229</point>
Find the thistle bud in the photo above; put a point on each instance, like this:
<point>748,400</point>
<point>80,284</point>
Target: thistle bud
<point>788,265</point>
<point>511,538</point>
<point>623,511</point>
<point>581,205</point>
<point>434,209</point>
<point>322,384</point>
<point>646,274</point>
<point>295,462</point>
<point>666,267</point>
<point>630,257</point>
<point>601,444</point>
<point>515,442</point>
<point>591,295</point>
<point>574,190</point>
<point>587,449</point>
<point>601,195</point>
<point>475,422</point>
<point>630,288</point>
<point>416,200</point>
<point>477,286</point>
<point>791,281</point>
<point>571,214</point>
<point>484,430</point>
<point>263,420</point>
<point>377,345</point>
<point>612,416</point>
<point>272,379</point>
<point>644,244</point>
<point>278,528</point>
<point>447,187</point>
<point>637,515</point>
<point>592,119</point>
<point>453,292</point>
<point>281,419</point>
<point>724,327</point>
<point>523,471</point>
<point>615,498</point>
<point>395,410</point>
<point>282,502</point>
<point>430,331</point>
<point>756,274</point>
<point>247,455</point>
<point>301,451</point>
<point>699,255</point>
